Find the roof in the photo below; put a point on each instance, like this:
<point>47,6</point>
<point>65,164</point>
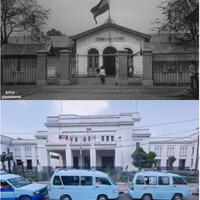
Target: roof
<point>78,172</point>
<point>8,176</point>
<point>24,40</point>
<point>61,41</point>
<point>111,25</point>
<point>160,43</point>
<point>23,49</point>
<point>155,173</point>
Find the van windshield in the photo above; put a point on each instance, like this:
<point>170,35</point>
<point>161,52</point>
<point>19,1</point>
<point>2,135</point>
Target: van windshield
<point>19,182</point>
<point>113,182</point>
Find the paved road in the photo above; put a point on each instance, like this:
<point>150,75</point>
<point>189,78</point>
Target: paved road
<point>92,89</point>
<point>126,197</point>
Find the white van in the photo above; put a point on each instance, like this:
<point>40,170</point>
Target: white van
<point>82,184</point>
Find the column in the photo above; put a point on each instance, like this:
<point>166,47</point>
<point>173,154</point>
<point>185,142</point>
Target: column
<point>41,70</point>
<point>147,67</point>
<point>118,157</point>
<point>123,66</point>
<point>64,67</point>
<point>68,153</point>
<point>93,158</point>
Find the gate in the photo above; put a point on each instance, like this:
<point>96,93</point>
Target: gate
<point>19,69</point>
<point>171,72</point>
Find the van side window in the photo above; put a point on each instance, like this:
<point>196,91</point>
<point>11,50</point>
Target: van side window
<point>179,181</point>
<point>102,181</point>
<point>70,180</point>
<point>57,181</point>
<point>163,180</point>
<point>150,180</point>
<point>86,180</point>
<point>140,180</point>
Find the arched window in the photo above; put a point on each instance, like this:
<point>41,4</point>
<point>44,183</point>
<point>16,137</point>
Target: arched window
<point>93,61</point>
<point>130,62</point>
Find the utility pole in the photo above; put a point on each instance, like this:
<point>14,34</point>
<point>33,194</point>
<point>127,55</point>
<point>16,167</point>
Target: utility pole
<point>197,153</point>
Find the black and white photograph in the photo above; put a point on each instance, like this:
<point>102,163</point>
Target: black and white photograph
<point>108,49</point>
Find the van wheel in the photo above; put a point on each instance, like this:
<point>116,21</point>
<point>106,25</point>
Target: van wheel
<point>25,198</point>
<point>102,197</point>
<point>65,197</point>
<point>177,197</point>
<point>146,197</point>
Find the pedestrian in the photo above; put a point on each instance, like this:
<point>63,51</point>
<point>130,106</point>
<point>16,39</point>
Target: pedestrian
<point>97,71</point>
<point>117,70</point>
<point>192,71</point>
<point>102,75</point>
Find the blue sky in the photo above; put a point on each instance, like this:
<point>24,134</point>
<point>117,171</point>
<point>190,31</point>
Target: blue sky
<point>30,116</point>
<point>74,16</point>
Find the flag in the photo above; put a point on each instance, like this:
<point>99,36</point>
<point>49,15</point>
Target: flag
<point>100,8</point>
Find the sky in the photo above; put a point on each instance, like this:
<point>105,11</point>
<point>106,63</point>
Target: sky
<point>27,117</point>
<point>74,16</point>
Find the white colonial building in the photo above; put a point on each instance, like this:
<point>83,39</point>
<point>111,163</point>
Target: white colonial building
<point>101,141</point>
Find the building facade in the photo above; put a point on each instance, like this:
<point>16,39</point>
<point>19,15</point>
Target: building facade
<point>104,142</point>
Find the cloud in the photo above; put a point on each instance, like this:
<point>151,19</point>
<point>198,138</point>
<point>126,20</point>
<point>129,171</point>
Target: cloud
<point>81,107</point>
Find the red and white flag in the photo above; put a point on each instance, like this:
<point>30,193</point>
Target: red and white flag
<point>100,8</point>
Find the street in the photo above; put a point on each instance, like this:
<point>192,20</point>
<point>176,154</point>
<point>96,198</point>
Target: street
<point>126,197</point>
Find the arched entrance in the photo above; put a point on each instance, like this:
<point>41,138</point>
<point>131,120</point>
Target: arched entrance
<point>109,60</point>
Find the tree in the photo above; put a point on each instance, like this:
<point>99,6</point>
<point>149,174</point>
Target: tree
<point>174,20</point>
<point>3,159</point>
<point>22,16</point>
<point>141,159</point>
<point>54,32</point>
<point>170,162</point>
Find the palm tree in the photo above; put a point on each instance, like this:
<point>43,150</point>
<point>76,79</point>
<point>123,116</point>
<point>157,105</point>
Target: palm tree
<point>3,159</point>
<point>170,161</point>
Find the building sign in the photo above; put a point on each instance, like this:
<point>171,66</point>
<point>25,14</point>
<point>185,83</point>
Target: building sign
<point>112,39</point>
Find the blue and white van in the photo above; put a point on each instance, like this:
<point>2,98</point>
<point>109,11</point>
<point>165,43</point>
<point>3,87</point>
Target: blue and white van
<point>148,185</point>
<point>82,185</point>
<point>14,187</point>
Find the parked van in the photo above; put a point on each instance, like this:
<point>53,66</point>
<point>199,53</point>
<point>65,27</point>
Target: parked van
<point>82,184</point>
<point>17,187</point>
<point>150,185</point>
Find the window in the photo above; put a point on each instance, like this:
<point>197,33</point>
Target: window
<point>29,164</point>
<point>150,180</point>
<point>192,150</point>
<point>86,180</point>
<point>27,151</point>
<point>137,145</point>
<point>158,150</point>
<point>178,181</point>
<point>112,138</point>
<point>102,181</point>
<point>107,138</point>
<point>163,180</point>
<point>84,139</point>
<point>89,138</point>
<point>102,138</point>
<point>140,180</point>
<point>70,180</point>
<point>57,181</point>
<point>170,150</point>
<point>191,162</point>
<point>17,152</point>
<point>18,65</point>
<point>183,151</point>
<point>76,139</point>
<point>4,185</point>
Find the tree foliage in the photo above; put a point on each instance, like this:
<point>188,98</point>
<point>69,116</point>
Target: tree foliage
<point>54,32</point>
<point>22,16</point>
<point>174,20</point>
<point>141,159</point>
<point>170,161</point>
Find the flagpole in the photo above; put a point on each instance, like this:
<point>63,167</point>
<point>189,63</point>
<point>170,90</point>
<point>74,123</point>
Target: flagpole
<point>109,21</point>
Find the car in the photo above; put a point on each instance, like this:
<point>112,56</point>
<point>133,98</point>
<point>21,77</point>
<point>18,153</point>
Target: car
<point>15,187</point>
<point>148,185</point>
<point>82,184</point>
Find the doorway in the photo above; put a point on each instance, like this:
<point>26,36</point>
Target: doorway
<point>108,163</point>
<point>109,60</point>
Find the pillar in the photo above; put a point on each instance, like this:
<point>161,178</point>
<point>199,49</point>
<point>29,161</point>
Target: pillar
<point>93,158</point>
<point>41,70</point>
<point>64,67</point>
<point>123,66</point>
<point>147,67</point>
<point>68,153</point>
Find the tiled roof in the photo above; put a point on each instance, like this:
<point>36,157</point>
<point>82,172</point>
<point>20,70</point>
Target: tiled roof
<point>61,41</point>
<point>23,49</point>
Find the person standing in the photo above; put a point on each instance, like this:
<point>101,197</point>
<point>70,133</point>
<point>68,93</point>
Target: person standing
<point>192,73</point>
<point>117,70</point>
<point>102,75</point>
